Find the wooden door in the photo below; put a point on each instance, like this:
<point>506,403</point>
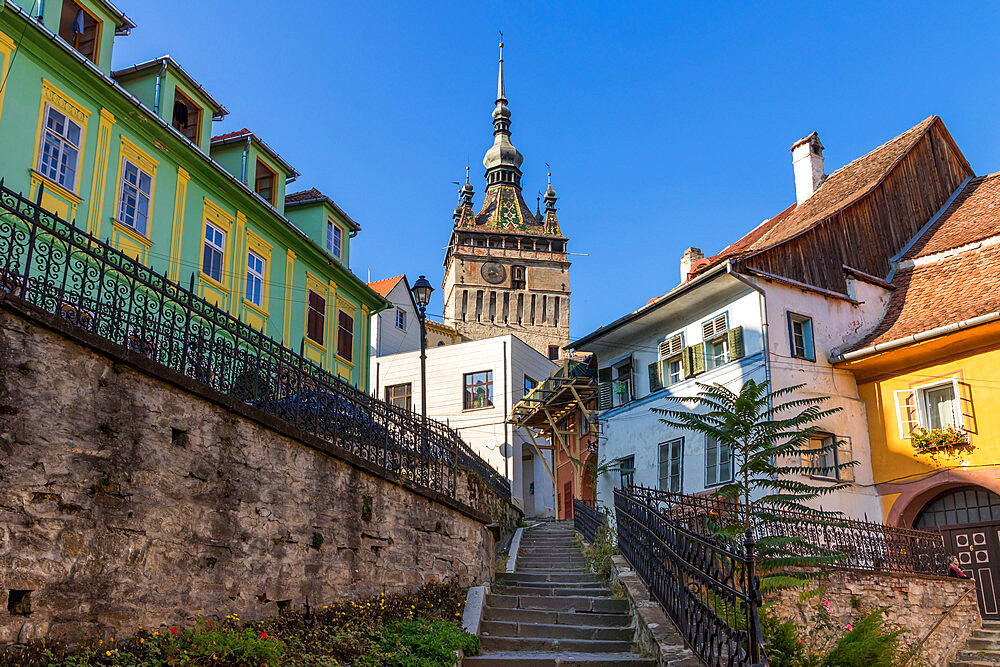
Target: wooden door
<point>568,500</point>
<point>978,549</point>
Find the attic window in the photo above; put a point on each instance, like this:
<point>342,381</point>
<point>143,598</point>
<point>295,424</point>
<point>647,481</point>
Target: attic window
<point>264,182</point>
<point>187,117</point>
<point>80,29</point>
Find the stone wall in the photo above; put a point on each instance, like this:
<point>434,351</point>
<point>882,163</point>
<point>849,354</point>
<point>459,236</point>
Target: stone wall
<point>915,603</point>
<point>132,496</point>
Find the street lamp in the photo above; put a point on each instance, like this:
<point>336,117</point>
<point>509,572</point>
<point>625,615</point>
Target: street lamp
<point>422,295</point>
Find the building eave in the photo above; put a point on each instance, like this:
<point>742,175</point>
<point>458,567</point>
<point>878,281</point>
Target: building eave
<point>936,332</point>
<point>218,112</point>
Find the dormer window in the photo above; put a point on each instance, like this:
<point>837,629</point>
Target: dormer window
<point>187,117</point>
<point>264,179</point>
<point>334,239</point>
<point>80,29</point>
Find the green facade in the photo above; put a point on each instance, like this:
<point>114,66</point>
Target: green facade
<point>124,129</point>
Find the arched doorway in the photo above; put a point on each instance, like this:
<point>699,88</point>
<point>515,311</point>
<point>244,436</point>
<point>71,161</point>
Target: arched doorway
<point>969,519</point>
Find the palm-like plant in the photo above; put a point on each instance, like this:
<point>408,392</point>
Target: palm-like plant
<point>775,450</point>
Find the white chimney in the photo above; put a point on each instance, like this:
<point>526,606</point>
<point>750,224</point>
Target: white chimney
<point>807,163</point>
<point>690,256</point>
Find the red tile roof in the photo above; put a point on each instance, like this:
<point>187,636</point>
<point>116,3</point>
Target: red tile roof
<point>228,137</point>
<point>935,288</point>
<point>313,195</point>
<point>840,189</point>
<point>386,285</point>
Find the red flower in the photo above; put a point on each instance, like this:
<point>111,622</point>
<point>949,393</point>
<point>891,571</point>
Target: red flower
<point>173,631</point>
<point>263,635</point>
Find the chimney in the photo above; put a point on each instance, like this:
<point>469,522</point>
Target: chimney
<point>690,256</point>
<point>807,163</point>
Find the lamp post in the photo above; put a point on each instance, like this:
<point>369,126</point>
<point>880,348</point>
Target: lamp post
<point>422,295</point>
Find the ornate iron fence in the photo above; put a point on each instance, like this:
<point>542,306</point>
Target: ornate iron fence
<point>59,268</point>
<point>861,545</point>
<point>708,587</point>
<point>587,518</point>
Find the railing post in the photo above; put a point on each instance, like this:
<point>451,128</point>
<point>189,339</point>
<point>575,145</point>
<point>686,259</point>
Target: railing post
<point>754,636</point>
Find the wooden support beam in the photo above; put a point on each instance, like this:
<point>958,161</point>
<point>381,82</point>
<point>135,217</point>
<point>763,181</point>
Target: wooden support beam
<point>544,462</point>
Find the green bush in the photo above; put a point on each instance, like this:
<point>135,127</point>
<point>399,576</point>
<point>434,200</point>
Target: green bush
<point>783,643</point>
<point>419,644</point>
<point>599,553</point>
<point>869,644</point>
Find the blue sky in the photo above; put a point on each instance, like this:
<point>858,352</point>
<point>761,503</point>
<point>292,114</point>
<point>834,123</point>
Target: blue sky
<point>667,125</point>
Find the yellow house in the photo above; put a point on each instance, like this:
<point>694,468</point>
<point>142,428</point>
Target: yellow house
<point>929,376</point>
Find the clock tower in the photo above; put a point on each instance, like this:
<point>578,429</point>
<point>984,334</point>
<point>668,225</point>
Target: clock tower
<point>506,268</point>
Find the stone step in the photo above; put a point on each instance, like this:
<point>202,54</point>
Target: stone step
<point>979,644</point>
<point>591,591</point>
<point>493,642</point>
<point>551,563</point>
<point>987,657</point>
<point>990,625</point>
<point>558,603</point>
<point>549,568</point>
<point>558,585</point>
<point>524,577</point>
<point>965,663</point>
<point>986,634</point>
<point>549,544</point>
<point>556,617</point>
<point>544,659</point>
<point>550,551</point>
<point>555,631</point>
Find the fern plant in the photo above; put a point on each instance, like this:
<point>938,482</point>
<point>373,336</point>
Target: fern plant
<point>776,448</point>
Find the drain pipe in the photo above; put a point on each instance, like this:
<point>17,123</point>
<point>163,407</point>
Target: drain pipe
<point>156,95</point>
<point>41,9</point>
<point>763,321</point>
<point>246,150</point>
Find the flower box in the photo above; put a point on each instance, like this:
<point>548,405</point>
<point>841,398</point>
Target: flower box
<point>941,442</point>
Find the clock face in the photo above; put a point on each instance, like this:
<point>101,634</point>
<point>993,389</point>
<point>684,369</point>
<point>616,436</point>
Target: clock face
<point>494,272</point>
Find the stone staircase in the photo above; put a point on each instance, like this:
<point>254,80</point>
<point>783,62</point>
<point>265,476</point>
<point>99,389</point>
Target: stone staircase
<point>982,649</point>
<point>552,611</point>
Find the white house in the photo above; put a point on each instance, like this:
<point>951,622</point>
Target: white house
<point>396,329</point>
<point>472,386</point>
<point>777,305</point>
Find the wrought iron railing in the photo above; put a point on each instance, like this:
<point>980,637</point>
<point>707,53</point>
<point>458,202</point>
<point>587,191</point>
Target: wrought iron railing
<point>857,544</point>
<point>59,268</point>
<point>587,518</point>
<point>708,587</point>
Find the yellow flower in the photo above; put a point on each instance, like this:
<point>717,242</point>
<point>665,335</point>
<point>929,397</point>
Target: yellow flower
<point>141,640</point>
<point>107,653</point>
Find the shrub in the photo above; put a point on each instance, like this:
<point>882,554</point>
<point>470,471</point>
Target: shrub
<point>869,644</point>
<point>599,553</point>
<point>419,644</point>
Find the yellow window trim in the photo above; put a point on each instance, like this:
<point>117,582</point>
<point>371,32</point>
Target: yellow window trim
<point>260,247</point>
<point>286,331</point>
<point>129,151</point>
<point>131,233</point>
<point>38,177</point>
<point>215,214</point>
<point>6,48</point>
<point>316,285</point>
<point>349,308</point>
<point>52,96</point>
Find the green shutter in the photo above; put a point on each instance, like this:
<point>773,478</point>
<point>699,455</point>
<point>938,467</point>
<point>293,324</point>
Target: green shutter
<point>604,374</point>
<point>655,383</point>
<point>697,359</point>
<point>603,395</point>
<point>735,336</point>
<point>686,362</point>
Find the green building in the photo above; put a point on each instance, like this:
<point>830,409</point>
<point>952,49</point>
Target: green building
<point>130,157</point>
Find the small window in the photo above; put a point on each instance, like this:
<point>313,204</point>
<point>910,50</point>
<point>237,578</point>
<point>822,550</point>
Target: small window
<point>399,395</point>
<point>800,336</point>
<point>939,405</point>
<point>59,153</point>
<point>345,336</point>
<point>675,369</point>
<point>136,187</point>
<point>671,459</point>
<point>716,353</point>
<point>401,319</point>
<point>316,317</point>
<point>621,382</point>
<point>215,245</point>
<point>80,30</point>
<point>823,455</point>
<point>626,471</point>
<point>529,384</point>
<point>187,117</point>
<point>264,181</point>
<point>553,352</point>
<point>334,239</point>
<point>255,279</point>
<point>517,277</point>
<point>478,391</point>
<point>718,463</point>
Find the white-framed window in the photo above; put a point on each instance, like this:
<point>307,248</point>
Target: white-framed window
<point>671,465</point>
<point>136,189</point>
<point>670,349</point>
<point>215,244</point>
<point>675,370</point>
<point>59,153</point>
<point>255,279</point>
<point>800,337</point>
<point>621,382</point>
<point>935,405</point>
<point>401,319</point>
<point>718,463</point>
<point>334,239</point>
<point>716,341</point>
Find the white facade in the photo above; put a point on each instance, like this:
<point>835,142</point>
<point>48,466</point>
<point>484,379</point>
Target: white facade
<point>397,329</point>
<point>760,308</point>
<point>508,360</point>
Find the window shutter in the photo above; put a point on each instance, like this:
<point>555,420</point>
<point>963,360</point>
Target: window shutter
<point>603,395</point>
<point>655,383</point>
<point>715,326</point>
<point>686,362</point>
<point>845,454</point>
<point>604,374</point>
<point>671,346</point>
<point>697,359</point>
<point>906,412</point>
<point>735,336</point>
<point>963,394</point>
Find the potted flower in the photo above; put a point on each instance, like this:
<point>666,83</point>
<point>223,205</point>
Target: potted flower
<point>941,442</point>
